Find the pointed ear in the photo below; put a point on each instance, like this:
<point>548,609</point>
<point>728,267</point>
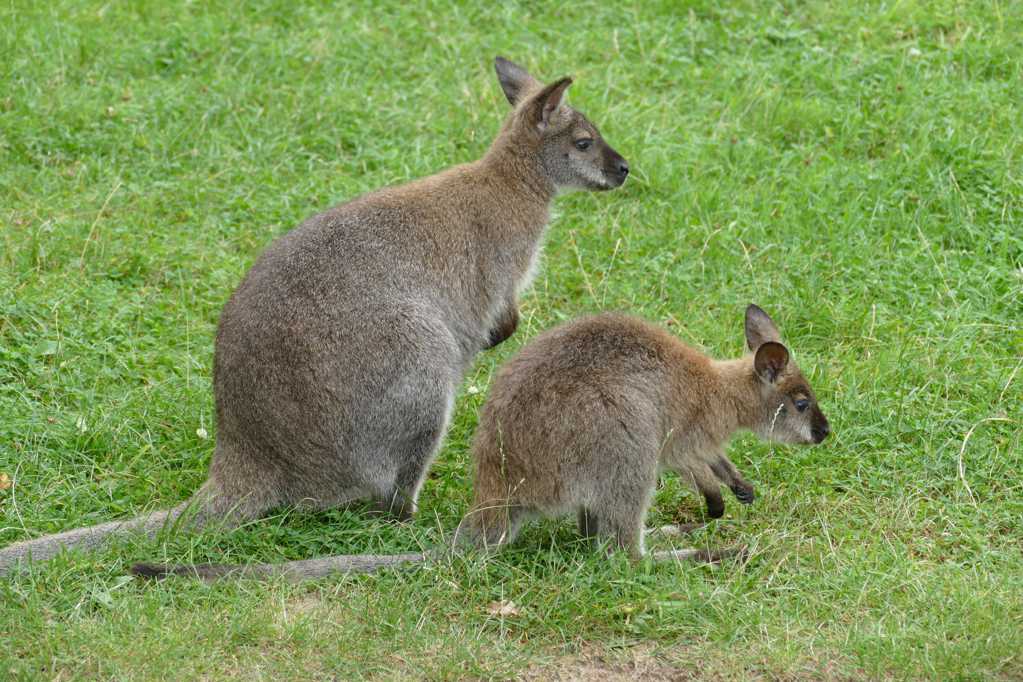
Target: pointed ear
<point>515,81</point>
<point>543,105</point>
<point>770,361</point>
<point>759,327</point>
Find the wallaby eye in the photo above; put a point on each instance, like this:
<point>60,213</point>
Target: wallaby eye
<point>584,144</point>
<point>802,404</point>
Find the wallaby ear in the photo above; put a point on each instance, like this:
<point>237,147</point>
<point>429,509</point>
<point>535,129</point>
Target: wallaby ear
<point>515,81</point>
<point>759,327</point>
<point>770,361</point>
<point>543,105</point>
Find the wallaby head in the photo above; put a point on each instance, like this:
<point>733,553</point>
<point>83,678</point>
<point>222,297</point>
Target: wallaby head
<point>569,149</point>
<point>788,411</point>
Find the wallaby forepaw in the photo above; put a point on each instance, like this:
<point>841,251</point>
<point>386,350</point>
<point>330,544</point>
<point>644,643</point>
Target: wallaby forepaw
<point>745,494</point>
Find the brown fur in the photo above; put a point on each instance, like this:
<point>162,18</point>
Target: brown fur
<point>586,416</point>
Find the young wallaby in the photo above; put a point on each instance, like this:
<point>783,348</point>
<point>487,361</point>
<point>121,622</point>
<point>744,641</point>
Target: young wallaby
<point>584,418</point>
<point>338,357</point>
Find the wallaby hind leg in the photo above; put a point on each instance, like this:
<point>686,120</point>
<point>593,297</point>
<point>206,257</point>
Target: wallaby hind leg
<point>402,499</point>
<point>398,497</point>
<point>625,531</point>
<point>619,518</point>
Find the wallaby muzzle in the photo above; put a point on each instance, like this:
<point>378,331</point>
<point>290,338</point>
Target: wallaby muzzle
<point>820,427</point>
<point>616,168</point>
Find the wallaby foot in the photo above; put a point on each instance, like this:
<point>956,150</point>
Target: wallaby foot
<point>624,527</point>
<point>399,500</point>
<point>396,506</point>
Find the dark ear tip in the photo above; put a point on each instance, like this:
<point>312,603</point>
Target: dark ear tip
<point>559,86</point>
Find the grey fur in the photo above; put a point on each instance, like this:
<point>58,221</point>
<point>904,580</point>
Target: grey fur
<point>87,538</point>
<point>338,357</point>
<point>585,417</point>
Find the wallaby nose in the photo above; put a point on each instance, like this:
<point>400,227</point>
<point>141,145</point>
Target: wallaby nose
<point>821,432</point>
<point>623,167</point>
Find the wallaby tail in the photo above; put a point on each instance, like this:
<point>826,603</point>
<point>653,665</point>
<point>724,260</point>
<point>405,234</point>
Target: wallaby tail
<point>293,571</point>
<point>703,556</point>
<point>90,537</point>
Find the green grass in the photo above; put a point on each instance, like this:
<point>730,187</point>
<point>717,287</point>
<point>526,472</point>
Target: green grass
<point>853,168</point>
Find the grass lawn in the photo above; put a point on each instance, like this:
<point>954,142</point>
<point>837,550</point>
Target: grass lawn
<point>854,168</point>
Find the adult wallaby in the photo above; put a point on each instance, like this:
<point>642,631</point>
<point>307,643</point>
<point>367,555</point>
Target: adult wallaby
<point>338,357</point>
<point>584,418</point>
